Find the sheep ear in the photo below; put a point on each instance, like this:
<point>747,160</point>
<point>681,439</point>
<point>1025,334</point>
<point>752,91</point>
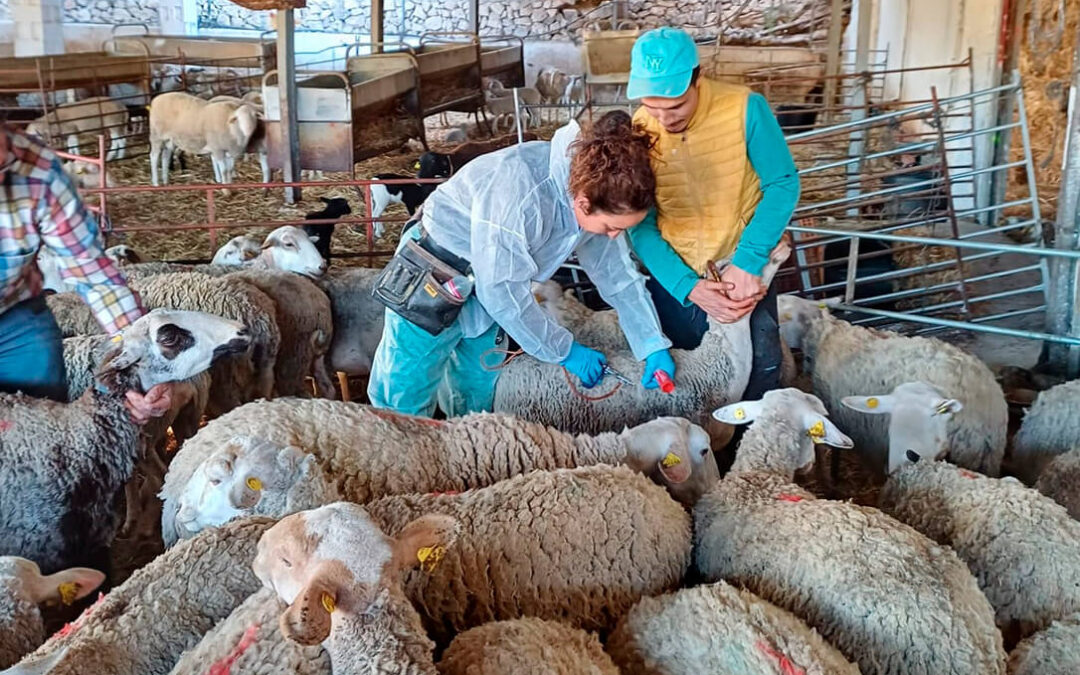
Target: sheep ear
<point>948,406</point>
<point>270,241</point>
<point>872,405</point>
<point>424,541</point>
<point>744,412</point>
<point>821,430</point>
<point>117,364</point>
<point>314,238</point>
<point>66,586</point>
<point>676,466</point>
<point>307,620</point>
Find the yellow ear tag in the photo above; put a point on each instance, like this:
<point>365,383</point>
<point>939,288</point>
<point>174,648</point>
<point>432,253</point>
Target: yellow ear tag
<point>786,317</point>
<point>740,414</point>
<point>254,483</point>
<point>942,409</point>
<point>671,460</point>
<point>429,556</point>
<point>328,603</point>
<point>871,403</point>
<point>68,591</point>
<point>817,431</point>
<point>416,166</point>
<point>117,338</point>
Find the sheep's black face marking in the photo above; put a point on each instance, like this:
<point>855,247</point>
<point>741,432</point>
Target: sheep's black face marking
<point>235,346</point>
<point>174,340</point>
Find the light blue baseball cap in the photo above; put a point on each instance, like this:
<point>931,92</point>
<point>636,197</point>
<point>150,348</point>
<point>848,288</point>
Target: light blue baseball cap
<point>661,64</point>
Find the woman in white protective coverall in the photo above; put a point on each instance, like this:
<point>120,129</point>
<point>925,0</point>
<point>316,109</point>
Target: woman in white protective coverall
<point>514,216</point>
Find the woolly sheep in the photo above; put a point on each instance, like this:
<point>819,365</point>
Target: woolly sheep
<point>717,628</point>
<point>715,373</point>
<point>353,605</point>
<point>290,249</point>
<point>1052,651</point>
<point>73,316</point>
<point>525,646</point>
<point>458,454</point>
<point>96,115</point>
<point>22,589</point>
<point>243,377</point>
<point>574,545</point>
<point>122,254</point>
<point>1060,481</point>
<point>257,144</point>
<point>846,360</point>
<point>876,589</point>
<point>181,121</point>
<point>1050,427</point>
<point>237,250</point>
<point>1020,545</point>
<point>358,319</point>
<point>86,175</point>
<point>143,625</point>
<point>62,465</point>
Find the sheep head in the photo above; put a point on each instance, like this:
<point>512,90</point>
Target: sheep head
<point>63,587</point>
<point>919,420</point>
<point>237,251</point>
<point>675,453</point>
<point>168,346</point>
<point>796,316</point>
<point>334,564</point>
<point>291,249</point>
<point>251,476</point>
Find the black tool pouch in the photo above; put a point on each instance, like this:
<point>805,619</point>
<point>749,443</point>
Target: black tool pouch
<point>411,285</point>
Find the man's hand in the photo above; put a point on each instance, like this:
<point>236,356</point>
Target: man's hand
<point>744,286</point>
<point>713,297</point>
<point>154,403</point>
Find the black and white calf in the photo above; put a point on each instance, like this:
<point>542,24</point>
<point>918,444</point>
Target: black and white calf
<point>412,195</point>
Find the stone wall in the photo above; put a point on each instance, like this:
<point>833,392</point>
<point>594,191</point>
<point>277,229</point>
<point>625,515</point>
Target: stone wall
<point>112,12</point>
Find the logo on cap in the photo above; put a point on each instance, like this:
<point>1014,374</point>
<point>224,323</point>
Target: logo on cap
<point>654,62</point>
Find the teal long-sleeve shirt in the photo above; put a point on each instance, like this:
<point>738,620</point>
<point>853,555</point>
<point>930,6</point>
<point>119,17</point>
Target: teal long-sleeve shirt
<point>771,160</point>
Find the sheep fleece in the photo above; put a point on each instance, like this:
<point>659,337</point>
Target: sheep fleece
<point>1050,427</point>
<point>526,646</point>
<point>890,599</point>
<point>1053,651</point>
<point>575,545</point>
<point>1060,481</point>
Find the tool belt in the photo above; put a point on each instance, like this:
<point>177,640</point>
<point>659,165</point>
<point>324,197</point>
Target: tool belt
<point>411,284</point>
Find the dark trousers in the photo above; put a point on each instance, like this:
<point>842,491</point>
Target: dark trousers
<point>32,352</point>
<point>686,326</point>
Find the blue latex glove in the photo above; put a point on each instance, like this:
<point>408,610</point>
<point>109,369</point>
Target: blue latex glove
<point>587,364</point>
<point>658,360</point>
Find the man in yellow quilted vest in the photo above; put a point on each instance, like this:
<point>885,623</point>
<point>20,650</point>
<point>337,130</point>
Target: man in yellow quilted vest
<point>726,187</point>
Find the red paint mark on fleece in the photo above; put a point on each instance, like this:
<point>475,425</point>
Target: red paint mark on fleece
<point>69,628</point>
<point>223,665</point>
<point>786,666</point>
<point>968,474</point>
<point>6,425</point>
<point>785,497</point>
<point>397,417</point>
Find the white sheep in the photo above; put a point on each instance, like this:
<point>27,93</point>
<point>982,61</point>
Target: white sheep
<point>290,249</point>
<point>503,109</point>
<point>99,114</point>
<point>1060,481</point>
<point>525,645</point>
<point>22,588</point>
<point>552,84</point>
<point>63,465</point>
<point>1049,428</point>
<point>711,628</point>
<point>878,590</point>
<point>1052,651</point>
<point>712,375</point>
<point>86,175</point>
<point>459,454</point>
<point>237,251</point>
<point>257,144</point>
<point>181,121</point>
<point>847,360</point>
<point>143,625</point>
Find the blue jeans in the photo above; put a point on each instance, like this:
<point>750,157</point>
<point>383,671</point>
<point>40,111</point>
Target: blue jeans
<point>32,352</point>
<point>686,326</point>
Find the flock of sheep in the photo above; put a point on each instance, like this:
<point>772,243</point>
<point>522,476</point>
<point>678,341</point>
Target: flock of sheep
<point>311,535</point>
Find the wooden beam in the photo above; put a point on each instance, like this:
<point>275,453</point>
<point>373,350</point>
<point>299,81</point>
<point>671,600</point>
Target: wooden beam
<point>832,64</point>
<point>286,71</point>
<point>378,15</point>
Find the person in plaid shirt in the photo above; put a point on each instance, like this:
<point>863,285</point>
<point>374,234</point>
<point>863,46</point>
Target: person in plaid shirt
<point>40,207</point>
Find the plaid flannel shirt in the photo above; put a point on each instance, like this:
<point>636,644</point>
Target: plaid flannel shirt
<point>40,207</point>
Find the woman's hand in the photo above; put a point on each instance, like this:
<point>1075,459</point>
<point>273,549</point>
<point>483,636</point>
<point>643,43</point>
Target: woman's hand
<point>587,364</point>
<point>658,360</point>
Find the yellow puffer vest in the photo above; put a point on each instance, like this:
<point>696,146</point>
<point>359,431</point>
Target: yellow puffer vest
<point>706,190</point>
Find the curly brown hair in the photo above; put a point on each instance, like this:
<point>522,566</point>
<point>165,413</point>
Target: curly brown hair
<point>611,166</point>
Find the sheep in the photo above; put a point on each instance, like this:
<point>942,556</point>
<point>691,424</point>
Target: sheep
<point>222,130</point>
<point>458,134</point>
<point>237,251</point>
<point>1049,652</point>
<point>322,233</point>
<point>1049,428</point>
<point>460,454</point>
<point>257,144</point>
<point>846,360</point>
<point>304,321</point>
<point>122,254</point>
<point>552,84</point>
<point>888,597</point>
<point>411,195</point>
<point>715,373</point>
<point>289,248</point>
<point>86,175</point>
<point>502,107</point>
<point>1020,545</point>
<point>62,465</point>
<point>245,376</point>
<point>99,114</point>
<point>1060,481</point>
<point>358,319</point>
<point>143,625</point>
<point>717,628</point>
<point>525,645</point>
<point>249,642</point>
<point>22,589</point>
<point>354,606</point>
<point>50,271</point>
<point>442,165</point>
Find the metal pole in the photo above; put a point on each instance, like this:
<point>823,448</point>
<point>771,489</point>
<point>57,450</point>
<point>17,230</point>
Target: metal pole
<point>832,65</point>
<point>474,16</point>
<point>1008,61</point>
<point>377,16</point>
<point>1062,299</point>
<point>517,115</point>
<point>858,102</point>
<point>286,68</point>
